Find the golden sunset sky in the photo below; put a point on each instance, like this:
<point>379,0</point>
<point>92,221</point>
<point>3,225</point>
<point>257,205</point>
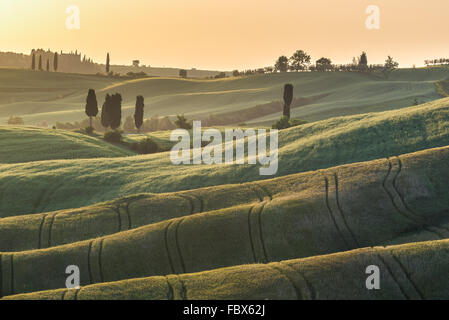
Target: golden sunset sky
<point>228,34</point>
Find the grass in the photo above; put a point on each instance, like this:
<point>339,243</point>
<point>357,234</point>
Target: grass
<point>60,184</point>
<point>377,203</point>
<point>25,144</point>
<point>411,271</point>
<point>51,97</point>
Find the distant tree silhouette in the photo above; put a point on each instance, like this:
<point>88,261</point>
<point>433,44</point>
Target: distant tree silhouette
<point>390,66</point>
<point>108,67</point>
<point>323,64</point>
<point>138,114</point>
<point>33,62</point>
<point>55,62</point>
<point>182,122</point>
<point>91,106</point>
<point>183,73</point>
<point>105,120</point>
<point>299,60</point>
<point>288,98</point>
<point>40,63</point>
<point>48,65</point>
<point>281,64</point>
<point>115,111</point>
<point>363,62</point>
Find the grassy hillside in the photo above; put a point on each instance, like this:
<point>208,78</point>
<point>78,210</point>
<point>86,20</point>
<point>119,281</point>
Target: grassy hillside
<point>51,97</point>
<point>332,199</point>
<point>412,271</point>
<point>52,185</point>
<point>399,200</point>
<point>25,144</point>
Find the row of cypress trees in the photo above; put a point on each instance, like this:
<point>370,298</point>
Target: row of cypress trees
<point>111,111</point>
<point>40,67</point>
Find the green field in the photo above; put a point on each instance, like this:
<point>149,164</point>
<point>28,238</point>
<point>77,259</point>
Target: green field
<point>363,183</point>
<point>51,97</point>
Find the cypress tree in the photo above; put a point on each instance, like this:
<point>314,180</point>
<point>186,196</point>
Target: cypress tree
<point>115,111</point>
<point>33,62</point>
<point>108,67</point>
<point>105,122</point>
<point>55,62</point>
<point>40,63</point>
<point>138,114</point>
<point>91,105</point>
<point>48,65</point>
<point>288,98</point>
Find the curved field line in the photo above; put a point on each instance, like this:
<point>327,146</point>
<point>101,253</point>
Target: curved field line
<point>170,260</point>
<point>89,268</point>
<point>407,276</point>
<point>285,275</point>
<point>265,190</point>
<point>128,214</point>
<point>117,210</point>
<point>170,293</point>
<point>337,196</point>
<point>189,199</point>
<point>392,276</point>
<point>63,294</point>
<point>183,267</point>
<point>99,260</point>
<point>331,214</point>
<point>50,228</point>
<point>259,218</point>
<point>77,291</point>
<point>409,215</point>
<point>39,244</point>
<point>200,200</point>
<point>251,234</point>
<point>310,290</point>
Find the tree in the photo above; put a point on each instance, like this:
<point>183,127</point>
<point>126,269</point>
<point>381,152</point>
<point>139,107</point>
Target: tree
<point>40,63</point>
<point>105,121</point>
<point>235,73</point>
<point>324,64</point>
<point>91,105</point>
<point>288,98</point>
<point>138,114</point>
<point>33,62</point>
<point>281,64</point>
<point>55,62</point>
<point>183,73</point>
<point>115,111</point>
<point>108,67</point>
<point>182,122</point>
<point>390,66</point>
<point>363,62</point>
<point>48,65</point>
<point>299,60</point>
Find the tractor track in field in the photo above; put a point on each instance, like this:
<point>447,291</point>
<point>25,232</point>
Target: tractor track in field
<point>400,204</point>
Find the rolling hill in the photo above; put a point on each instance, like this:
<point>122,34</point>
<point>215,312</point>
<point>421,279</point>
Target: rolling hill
<point>305,216</point>
<point>25,144</point>
<point>51,97</point>
<point>61,184</point>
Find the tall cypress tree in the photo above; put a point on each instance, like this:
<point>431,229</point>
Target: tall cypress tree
<point>33,62</point>
<point>105,121</point>
<point>138,114</point>
<point>48,65</point>
<point>115,111</point>
<point>40,63</point>
<point>108,67</point>
<point>288,98</point>
<point>91,105</point>
<point>55,62</point>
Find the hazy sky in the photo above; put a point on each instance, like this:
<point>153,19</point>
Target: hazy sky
<point>228,34</point>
